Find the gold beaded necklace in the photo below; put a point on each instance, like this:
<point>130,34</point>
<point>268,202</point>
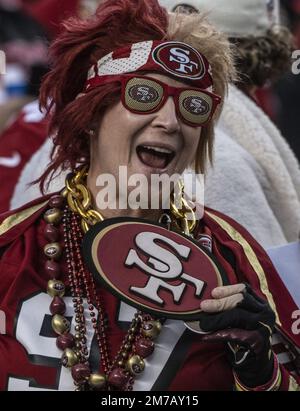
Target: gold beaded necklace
<point>77,216</point>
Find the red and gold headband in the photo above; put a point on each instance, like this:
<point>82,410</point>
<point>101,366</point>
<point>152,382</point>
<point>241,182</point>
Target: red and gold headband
<point>171,58</point>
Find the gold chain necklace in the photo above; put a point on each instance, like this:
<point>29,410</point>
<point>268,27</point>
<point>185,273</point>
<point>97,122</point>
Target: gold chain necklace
<point>80,201</point>
<point>138,343</point>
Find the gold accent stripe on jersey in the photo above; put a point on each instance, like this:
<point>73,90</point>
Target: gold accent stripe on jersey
<point>17,218</point>
<point>293,386</point>
<point>250,254</point>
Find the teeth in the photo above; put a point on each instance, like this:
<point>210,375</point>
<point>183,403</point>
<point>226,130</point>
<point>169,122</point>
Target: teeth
<point>159,149</point>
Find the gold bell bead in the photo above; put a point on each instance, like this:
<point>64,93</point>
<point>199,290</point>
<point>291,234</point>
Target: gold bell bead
<point>53,216</point>
<point>69,358</point>
<point>151,329</point>
<point>60,324</point>
<point>135,365</point>
<point>64,192</point>
<point>53,250</point>
<point>97,381</point>
<point>56,288</point>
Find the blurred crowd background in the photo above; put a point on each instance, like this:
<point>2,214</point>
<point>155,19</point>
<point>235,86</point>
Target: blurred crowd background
<point>281,101</point>
<point>28,26</point>
<point>26,29</point>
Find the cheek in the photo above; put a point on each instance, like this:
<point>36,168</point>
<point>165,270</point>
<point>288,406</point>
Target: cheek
<point>121,124</point>
<point>192,137</point>
<point>136,122</point>
<point>112,120</point>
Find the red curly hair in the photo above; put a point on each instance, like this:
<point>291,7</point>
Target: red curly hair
<point>82,43</point>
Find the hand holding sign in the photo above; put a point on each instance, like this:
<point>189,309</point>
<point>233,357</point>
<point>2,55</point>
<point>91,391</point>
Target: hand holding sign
<point>238,317</point>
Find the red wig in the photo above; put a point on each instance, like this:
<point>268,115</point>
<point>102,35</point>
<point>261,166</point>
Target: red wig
<point>82,43</point>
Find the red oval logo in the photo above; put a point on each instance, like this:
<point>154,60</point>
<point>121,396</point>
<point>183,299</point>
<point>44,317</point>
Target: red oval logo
<point>151,268</point>
<point>180,60</point>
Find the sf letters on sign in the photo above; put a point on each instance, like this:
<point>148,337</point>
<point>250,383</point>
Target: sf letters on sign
<point>167,266</point>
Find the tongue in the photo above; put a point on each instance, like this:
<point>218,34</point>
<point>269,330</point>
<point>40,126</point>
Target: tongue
<point>153,160</point>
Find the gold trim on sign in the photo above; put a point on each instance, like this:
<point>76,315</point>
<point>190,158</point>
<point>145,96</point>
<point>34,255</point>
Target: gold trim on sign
<point>250,254</point>
<point>17,218</point>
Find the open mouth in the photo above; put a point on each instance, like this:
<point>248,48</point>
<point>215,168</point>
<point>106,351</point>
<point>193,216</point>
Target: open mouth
<point>155,157</point>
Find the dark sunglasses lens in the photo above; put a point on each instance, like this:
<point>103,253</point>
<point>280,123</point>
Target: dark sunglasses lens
<point>143,94</point>
<point>195,106</point>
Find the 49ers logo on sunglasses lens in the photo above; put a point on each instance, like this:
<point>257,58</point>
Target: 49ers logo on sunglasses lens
<point>196,105</point>
<point>151,268</point>
<point>180,60</point>
<point>143,94</point>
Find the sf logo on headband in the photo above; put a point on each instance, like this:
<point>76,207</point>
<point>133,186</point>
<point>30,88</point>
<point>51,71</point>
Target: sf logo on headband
<point>179,59</point>
<point>151,268</point>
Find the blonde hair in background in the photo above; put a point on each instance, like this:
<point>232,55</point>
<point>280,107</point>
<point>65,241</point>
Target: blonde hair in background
<point>264,59</point>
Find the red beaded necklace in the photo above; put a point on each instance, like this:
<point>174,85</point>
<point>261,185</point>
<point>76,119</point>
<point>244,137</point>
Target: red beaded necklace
<point>118,373</point>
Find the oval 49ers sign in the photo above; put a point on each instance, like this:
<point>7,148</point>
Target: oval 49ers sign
<point>151,268</point>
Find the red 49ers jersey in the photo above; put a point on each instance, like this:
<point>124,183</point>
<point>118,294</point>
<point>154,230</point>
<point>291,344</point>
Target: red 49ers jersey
<point>18,144</point>
<point>29,358</point>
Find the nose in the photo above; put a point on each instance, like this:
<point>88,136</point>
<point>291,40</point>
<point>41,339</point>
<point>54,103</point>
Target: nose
<point>166,117</point>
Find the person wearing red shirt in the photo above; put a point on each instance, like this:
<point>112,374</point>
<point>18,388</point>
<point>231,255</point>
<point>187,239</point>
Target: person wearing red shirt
<point>135,87</point>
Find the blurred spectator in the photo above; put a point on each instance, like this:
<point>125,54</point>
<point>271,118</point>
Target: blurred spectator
<point>292,10</point>
<point>25,44</point>
<point>50,13</point>
<point>18,143</point>
<point>288,88</point>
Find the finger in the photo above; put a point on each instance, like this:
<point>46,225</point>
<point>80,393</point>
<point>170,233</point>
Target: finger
<point>223,304</point>
<point>250,291</point>
<point>250,303</point>
<point>235,318</point>
<point>227,290</point>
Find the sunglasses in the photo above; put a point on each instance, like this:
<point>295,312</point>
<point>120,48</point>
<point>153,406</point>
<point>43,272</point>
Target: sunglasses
<point>145,95</point>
